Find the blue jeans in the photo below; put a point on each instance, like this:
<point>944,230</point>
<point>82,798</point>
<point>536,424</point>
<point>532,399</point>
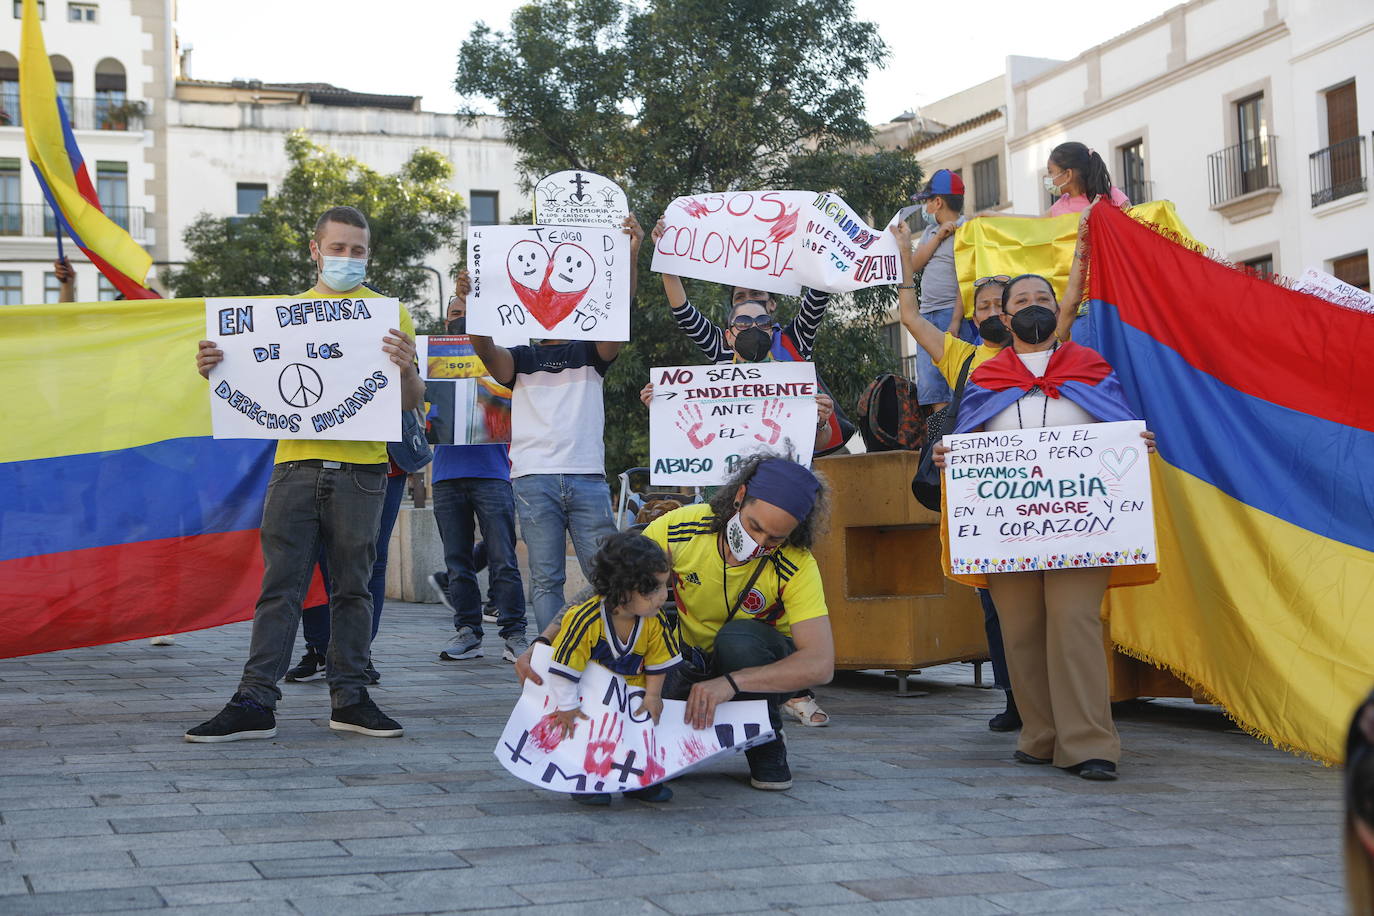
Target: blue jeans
<point>931,387</point>
<point>315,620</point>
<point>456,501</point>
<point>550,507</point>
<point>993,628</point>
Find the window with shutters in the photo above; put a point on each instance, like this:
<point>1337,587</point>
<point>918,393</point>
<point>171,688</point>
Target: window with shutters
<point>987,184</point>
<point>1353,269</point>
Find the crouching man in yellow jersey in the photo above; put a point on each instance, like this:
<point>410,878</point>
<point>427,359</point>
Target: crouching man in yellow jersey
<point>751,611</point>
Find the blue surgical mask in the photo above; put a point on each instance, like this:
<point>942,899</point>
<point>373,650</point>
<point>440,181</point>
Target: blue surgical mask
<point>343,274</point>
<point>928,218</point>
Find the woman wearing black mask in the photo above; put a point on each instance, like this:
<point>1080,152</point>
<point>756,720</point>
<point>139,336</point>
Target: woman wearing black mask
<point>1051,620</point>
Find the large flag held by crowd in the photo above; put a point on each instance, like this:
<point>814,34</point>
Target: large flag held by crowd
<point>1263,403</point>
<point>62,173</point>
<point>122,518</point>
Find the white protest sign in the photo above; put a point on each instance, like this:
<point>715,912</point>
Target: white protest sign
<point>1057,497</point>
<point>743,238</point>
<point>705,420</point>
<point>841,253</point>
<point>576,198</point>
<point>1333,289</point>
<point>617,748</point>
<point>549,282</point>
<point>304,369</point>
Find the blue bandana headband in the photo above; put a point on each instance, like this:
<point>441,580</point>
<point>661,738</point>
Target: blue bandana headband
<point>785,484</point>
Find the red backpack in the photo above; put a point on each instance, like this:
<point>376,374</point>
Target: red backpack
<point>890,416</point>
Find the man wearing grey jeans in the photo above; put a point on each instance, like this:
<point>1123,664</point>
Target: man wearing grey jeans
<point>328,493</point>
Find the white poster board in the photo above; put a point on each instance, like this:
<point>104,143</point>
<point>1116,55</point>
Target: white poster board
<point>1060,497</point>
<point>577,198</point>
<point>1333,289</point>
<point>777,241</point>
<point>616,748</point>
<point>705,420</point>
<point>841,253</point>
<point>548,282</point>
<point>304,369</point>
<point>743,238</point>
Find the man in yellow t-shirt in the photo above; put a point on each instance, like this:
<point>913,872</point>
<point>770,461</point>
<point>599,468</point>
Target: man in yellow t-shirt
<point>322,492</point>
<point>751,609</point>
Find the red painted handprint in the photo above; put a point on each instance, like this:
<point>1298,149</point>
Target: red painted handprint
<point>773,413</point>
<point>653,766</point>
<point>547,733</point>
<point>690,421</point>
<point>601,750</point>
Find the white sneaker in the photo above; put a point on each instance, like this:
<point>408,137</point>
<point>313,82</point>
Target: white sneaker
<point>162,641</point>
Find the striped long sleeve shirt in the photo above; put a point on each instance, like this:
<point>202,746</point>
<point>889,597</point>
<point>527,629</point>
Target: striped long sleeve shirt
<point>711,339</point>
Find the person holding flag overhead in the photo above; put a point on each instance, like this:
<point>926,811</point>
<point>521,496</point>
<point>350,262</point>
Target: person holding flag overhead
<point>62,174</point>
<point>1051,622</point>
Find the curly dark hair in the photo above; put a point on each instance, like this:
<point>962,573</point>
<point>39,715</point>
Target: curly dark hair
<point>807,532</point>
<point>627,564</point>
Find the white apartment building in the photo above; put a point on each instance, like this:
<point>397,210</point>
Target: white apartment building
<point>163,148</point>
<point>1253,117</point>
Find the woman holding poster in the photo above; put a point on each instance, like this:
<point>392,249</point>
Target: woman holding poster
<point>1051,619</point>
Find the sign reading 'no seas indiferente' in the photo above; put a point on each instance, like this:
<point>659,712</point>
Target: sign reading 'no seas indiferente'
<point>304,369</point>
<point>1059,497</point>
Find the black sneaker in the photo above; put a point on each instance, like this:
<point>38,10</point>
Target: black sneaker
<point>768,768</point>
<point>365,718</point>
<point>373,677</point>
<point>658,793</point>
<point>1094,769</point>
<point>1008,720</point>
<point>311,666</point>
<point>239,719</point>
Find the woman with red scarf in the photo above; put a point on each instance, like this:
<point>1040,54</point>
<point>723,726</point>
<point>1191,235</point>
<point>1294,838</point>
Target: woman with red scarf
<point>1051,621</point>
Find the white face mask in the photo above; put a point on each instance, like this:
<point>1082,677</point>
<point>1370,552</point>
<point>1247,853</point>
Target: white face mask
<point>1051,186</point>
<point>742,545</point>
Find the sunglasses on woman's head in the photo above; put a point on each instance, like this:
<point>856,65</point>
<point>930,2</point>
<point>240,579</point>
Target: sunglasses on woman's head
<point>984,281</point>
<point>743,322</point>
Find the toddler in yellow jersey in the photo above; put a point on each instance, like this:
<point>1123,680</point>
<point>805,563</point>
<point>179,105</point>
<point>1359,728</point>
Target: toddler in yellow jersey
<point>623,629</point>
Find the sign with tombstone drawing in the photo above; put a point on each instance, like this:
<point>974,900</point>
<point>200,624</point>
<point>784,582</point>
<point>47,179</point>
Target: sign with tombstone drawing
<point>578,198</point>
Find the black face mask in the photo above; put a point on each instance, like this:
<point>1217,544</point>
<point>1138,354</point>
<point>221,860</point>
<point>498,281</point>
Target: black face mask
<point>993,331</point>
<point>752,344</point>
<point>457,325</point>
<point>1034,324</point>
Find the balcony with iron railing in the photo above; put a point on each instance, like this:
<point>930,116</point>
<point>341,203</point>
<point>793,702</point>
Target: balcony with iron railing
<point>1338,171</point>
<point>100,113</point>
<point>1244,178</point>
<point>1139,192</point>
<point>36,220</point>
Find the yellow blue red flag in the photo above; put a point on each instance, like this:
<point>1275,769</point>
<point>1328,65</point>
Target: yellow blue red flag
<point>62,173</point>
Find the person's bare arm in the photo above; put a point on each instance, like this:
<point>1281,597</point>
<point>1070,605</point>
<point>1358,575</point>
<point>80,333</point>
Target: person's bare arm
<point>523,669</point>
<point>498,360</point>
<point>931,338</point>
<point>672,285</point>
<point>811,665</point>
<point>926,250</point>
<point>1073,290</point>
<point>400,346</point>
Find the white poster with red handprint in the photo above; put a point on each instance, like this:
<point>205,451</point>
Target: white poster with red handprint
<point>617,747</point>
<point>549,282</point>
<point>705,420</point>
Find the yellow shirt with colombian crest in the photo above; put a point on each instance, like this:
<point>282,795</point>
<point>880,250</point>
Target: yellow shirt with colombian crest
<point>340,449</point>
<point>788,590</point>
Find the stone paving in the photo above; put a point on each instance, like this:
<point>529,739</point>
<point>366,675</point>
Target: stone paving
<point>901,806</point>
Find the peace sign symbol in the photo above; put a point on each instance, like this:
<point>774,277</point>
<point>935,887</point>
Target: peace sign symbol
<point>300,386</point>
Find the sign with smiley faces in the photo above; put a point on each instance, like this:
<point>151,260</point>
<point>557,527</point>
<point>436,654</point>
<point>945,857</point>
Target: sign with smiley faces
<point>549,282</point>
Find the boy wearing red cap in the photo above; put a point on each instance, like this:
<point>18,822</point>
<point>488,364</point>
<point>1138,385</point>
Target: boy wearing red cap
<point>942,210</point>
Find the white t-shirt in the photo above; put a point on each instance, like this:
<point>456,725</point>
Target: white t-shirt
<point>1035,410</point>
<point>558,415</point>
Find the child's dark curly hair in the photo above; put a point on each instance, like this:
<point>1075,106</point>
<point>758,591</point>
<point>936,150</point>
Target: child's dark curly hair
<point>627,564</point>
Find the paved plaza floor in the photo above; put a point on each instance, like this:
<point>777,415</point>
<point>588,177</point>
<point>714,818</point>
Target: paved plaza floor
<point>900,806</point>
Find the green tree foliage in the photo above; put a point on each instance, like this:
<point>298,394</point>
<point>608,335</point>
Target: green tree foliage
<point>674,97</point>
<point>412,214</point>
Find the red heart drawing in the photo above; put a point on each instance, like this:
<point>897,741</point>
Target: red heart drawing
<point>550,286</point>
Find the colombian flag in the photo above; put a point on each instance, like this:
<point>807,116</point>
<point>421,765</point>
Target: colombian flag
<point>1263,402</point>
<point>62,174</point>
<point>121,517</point>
